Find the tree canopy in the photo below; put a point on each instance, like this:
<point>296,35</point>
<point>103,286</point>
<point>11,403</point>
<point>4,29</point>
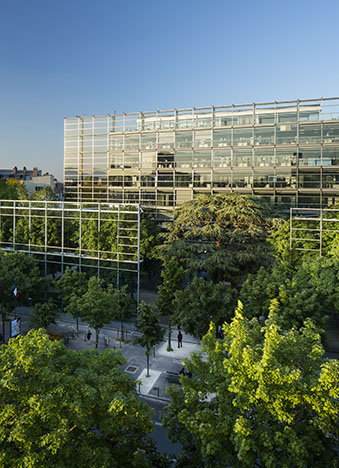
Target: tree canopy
<point>222,234</point>
<point>263,397</point>
<point>201,303</point>
<point>68,409</point>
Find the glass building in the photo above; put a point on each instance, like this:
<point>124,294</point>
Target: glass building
<point>286,152</point>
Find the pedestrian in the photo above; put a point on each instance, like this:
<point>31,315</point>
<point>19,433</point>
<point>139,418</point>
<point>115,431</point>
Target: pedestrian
<point>183,371</point>
<point>179,339</point>
<point>89,334</point>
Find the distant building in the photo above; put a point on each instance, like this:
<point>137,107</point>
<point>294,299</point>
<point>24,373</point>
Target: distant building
<point>285,152</point>
<point>18,174</point>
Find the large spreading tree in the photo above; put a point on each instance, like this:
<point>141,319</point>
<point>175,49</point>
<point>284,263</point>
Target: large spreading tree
<point>263,397</point>
<point>222,234</point>
<point>68,409</point>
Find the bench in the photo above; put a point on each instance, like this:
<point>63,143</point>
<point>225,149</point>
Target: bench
<point>173,377</point>
<point>54,336</point>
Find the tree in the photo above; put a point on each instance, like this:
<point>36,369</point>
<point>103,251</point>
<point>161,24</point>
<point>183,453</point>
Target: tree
<point>12,189</point>
<point>20,269</point>
<point>45,194</point>
<point>68,409</point>
<point>201,303</point>
<point>263,397</point>
<point>149,327</point>
<point>72,282</point>
<point>223,234</point>
<point>309,290</point>
<point>94,306</point>
<point>44,314</point>
<point>172,278</point>
<point>122,305</point>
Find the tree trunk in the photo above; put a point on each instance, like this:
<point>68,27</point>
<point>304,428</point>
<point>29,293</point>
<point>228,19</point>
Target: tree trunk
<point>169,347</point>
<point>97,331</point>
<point>122,331</point>
<point>147,361</point>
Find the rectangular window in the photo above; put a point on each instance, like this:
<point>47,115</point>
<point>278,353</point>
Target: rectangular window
<point>148,160</point>
<point>330,156</point>
<point>166,140</point>
<point>242,179</point>
<point>148,180</point>
<point>308,156</point>
<point>264,157</point>
<point>202,179</point>
<point>222,179</point>
<point>309,179</point>
<point>183,179</point>
<point>331,132</point>
<point>243,136</point>
<point>222,137</point>
<point>132,141</point>
<point>148,140</point>
<point>242,157</point>
<point>165,179</point>
<point>131,160</point>
<point>183,139</point>
<point>331,179</point>
<point>202,158</point>
<point>286,156</point>
<point>310,133</point>
<point>222,157</point>
<point>263,178</point>
<point>202,139</point>
<point>264,135</point>
<point>286,134</point>
<point>183,159</point>
<point>285,178</point>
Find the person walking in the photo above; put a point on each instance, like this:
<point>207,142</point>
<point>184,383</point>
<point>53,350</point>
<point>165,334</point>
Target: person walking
<point>179,339</point>
<point>89,334</point>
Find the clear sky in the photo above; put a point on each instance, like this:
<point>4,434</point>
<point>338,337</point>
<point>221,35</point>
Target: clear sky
<point>64,58</point>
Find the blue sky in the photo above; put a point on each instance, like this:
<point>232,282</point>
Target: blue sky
<point>64,58</point>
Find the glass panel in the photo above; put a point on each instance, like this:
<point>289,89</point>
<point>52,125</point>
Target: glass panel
<point>331,179</point>
<point>183,159</point>
<point>183,139</point>
<point>286,134</point>
<point>264,157</point>
<point>222,158</point>
<point>131,160</point>
<point>116,160</point>
<point>263,135</point>
<point>309,179</point>
<point>115,180</point>
<point>242,136</point>
<point>115,196</point>
<point>166,140</point>
<point>242,157</point>
<point>202,158</point>
<point>183,179</point>
<point>148,140</point>
<point>287,116</point>
<point>286,156</point>
<point>310,133</point>
<point>242,179</point>
<point>286,200</point>
<point>202,138</point>
<point>131,180</point>
<point>148,198</point>
<point>309,156</point>
<point>147,180</point>
<point>263,178</point>
<point>148,160</point>
<point>165,198</point>
<point>166,160</point>
<point>203,121</point>
<point>267,118</point>
<point>132,141</point>
<point>222,137</point>
<point>311,200</point>
<point>165,179</point>
<point>223,120</point>
<point>285,178</point>
<point>116,142</point>
<point>331,132</point>
<point>202,179</point>
<point>330,156</point>
<point>222,179</point>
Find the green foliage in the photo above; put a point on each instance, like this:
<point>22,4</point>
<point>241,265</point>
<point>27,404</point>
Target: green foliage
<point>44,314</point>
<point>12,190</point>
<point>45,194</point>
<point>201,303</point>
<point>263,397</point>
<point>223,234</point>
<point>172,277</point>
<point>311,290</point>
<point>122,304</point>
<point>149,327</point>
<point>68,409</point>
<point>94,306</point>
<point>71,282</point>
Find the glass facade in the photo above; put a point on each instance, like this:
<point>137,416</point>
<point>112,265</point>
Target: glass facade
<point>286,152</point>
